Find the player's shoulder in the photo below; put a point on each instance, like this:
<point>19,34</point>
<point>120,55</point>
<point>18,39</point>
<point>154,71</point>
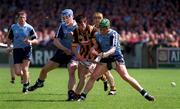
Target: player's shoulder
<point>114,32</point>
<point>75,23</point>
<point>29,26</point>
<point>62,23</point>
<point>94,28</point>
<point>97,34</point>
<point>90,28</point>
<point>14,25</point>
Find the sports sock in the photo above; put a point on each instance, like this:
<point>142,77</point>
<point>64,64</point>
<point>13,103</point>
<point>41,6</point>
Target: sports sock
<point>113,88</point>
<point>83,94</point>
<point>39,82</point>
<point>13,78</point>
<point>25,85</point>
<point>143,92</point>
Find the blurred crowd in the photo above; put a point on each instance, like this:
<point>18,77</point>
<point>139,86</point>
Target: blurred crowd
<point>151,22</point>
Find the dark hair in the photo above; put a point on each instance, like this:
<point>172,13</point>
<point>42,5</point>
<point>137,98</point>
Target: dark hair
<point>80,18</point>
<point>21,13</point>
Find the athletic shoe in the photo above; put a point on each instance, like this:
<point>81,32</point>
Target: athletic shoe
<point>35,86</point>
<point>149,97</point>
<point>25,90</point>
<point>82,97</point>
<point>112,92</point>
<point>71,95</point>
<point>12,81</point>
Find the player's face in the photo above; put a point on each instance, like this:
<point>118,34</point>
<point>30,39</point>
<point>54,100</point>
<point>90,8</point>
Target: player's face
<point>82,24</point>
<point>97,20</point>
<point>22,19</point>
<point>104,31</point>
<point>68,20</point>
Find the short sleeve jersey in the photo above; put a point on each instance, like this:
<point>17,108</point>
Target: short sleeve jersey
<point>63,34</point>
<point>18,33</point>
<point>111,39</point>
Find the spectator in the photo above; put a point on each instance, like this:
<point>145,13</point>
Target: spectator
<point>132,16</point>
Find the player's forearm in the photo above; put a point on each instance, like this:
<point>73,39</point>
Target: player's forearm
<point>8,42</point>
<point>94,51</point>
<point>109,52</point>
<point>34,41</point>
<point>59,45</point>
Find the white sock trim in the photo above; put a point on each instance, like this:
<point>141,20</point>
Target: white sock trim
<point>145,94</point>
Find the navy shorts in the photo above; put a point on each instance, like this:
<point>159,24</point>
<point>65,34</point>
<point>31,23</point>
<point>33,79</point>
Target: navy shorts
<point>20,54</point>
<point>61,57</point>
<point>112,59</point>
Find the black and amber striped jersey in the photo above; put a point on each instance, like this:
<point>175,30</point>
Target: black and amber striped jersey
<point>85,40</point>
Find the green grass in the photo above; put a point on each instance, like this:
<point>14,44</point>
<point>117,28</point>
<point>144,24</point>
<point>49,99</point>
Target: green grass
<point>53,95</point>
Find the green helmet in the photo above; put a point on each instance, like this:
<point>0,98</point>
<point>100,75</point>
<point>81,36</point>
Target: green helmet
<point>105,23</point>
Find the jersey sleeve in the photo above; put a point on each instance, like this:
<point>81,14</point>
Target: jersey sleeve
<point>92,35</point>
<point>32,34</point>
<point>76,37</point>
<point>10,33</point>
<point>114,39</point>
<point>97,40</point>
<point>59,33</point>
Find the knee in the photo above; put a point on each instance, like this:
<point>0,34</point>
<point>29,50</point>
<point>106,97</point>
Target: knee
<point>94,77</point>
<point>18,72</point>
<point>72,67</point>
<point>126,77</point>
<point>24,70</point>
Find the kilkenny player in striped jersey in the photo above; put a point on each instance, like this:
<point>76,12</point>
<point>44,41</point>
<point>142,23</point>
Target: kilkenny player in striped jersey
<point>84,40</point>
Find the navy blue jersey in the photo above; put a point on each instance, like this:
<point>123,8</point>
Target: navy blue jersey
<point>18,33</point>
<point>111,39</point>
<point>63,34</point>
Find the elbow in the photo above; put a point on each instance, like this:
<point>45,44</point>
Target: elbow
<point>55,41</point>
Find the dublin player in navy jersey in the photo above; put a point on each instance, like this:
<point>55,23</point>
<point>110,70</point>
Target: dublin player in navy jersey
<point>107,40</point>
<point>11,59</point>
<point>107,77</point>
<point>62,41</point>
<point>22,35</point>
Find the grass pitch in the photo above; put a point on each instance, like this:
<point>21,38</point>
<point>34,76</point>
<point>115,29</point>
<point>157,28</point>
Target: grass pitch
<point>54,93</point>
